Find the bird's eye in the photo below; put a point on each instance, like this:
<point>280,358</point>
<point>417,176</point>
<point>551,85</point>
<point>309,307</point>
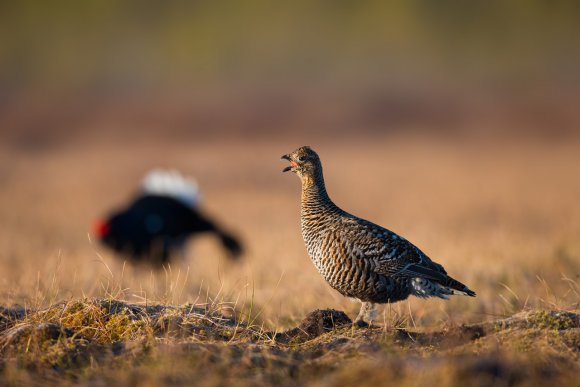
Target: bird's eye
<point>302,158</point>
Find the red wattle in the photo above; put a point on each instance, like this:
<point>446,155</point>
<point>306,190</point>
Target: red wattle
<point>101,228</point>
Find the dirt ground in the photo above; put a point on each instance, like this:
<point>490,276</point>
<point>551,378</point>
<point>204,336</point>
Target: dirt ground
<point>501,216</point>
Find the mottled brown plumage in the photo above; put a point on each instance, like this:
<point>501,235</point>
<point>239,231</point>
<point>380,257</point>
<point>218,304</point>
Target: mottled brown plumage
<point>359,258</point>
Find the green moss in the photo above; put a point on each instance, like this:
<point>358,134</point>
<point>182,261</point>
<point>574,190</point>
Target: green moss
<point>120,327</point>
<point>523,344</point>
<point>551,320</point>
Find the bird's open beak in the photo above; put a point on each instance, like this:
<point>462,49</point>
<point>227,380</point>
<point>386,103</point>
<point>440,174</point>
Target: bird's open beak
<point>286,157</point>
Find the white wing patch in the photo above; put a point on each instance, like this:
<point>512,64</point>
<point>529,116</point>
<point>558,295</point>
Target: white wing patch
<point>172,184</point>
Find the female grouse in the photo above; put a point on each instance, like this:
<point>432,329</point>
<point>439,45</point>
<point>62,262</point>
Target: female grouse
<point>358,258</point>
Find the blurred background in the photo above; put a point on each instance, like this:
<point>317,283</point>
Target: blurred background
<point>455,124</point>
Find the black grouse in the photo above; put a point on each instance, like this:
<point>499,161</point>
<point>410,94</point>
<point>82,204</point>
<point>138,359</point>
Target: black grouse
<point>158,222</point>
<point>358,258</point>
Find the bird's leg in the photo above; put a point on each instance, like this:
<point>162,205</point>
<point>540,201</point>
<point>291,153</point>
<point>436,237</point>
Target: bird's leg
<point>367,314</point>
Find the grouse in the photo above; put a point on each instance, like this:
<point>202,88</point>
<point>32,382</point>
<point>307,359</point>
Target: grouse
<point>358,258</point>
<point>159,221</point>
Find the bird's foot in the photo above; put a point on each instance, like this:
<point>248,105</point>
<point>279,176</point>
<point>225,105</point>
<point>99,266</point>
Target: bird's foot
<point>368,312</point>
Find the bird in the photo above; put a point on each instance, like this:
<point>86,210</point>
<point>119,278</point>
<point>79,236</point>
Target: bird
<point>155,225</point>
<point>358,258</point>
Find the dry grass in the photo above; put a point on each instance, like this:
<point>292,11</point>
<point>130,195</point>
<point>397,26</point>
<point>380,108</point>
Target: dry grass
<point>104,340</point>
<point>502,217</point>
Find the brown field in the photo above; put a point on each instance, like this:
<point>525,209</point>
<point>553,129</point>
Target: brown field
<point>455,124</point>
<point>501,216</point>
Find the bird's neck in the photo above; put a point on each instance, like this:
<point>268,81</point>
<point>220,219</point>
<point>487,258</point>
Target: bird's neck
<point>314,195</point>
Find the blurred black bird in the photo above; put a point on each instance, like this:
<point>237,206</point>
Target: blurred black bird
<point>156,225</point>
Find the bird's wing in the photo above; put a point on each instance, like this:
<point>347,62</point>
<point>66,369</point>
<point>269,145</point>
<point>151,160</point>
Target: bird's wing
<point>388,253</point>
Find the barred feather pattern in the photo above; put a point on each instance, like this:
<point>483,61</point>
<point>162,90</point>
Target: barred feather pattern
<point>359,258</point>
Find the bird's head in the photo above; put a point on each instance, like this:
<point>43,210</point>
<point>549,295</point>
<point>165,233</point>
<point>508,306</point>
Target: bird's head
<point>304,162</point>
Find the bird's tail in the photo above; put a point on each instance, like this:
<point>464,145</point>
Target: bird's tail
<point>423,287</point>
<point>426,280</point>
<point>457,287</point>
<point>172,184</point>
<point>231,244</point>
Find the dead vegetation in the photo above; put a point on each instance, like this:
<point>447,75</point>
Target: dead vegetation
<point>477,209</point>
<point>111,341</point>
